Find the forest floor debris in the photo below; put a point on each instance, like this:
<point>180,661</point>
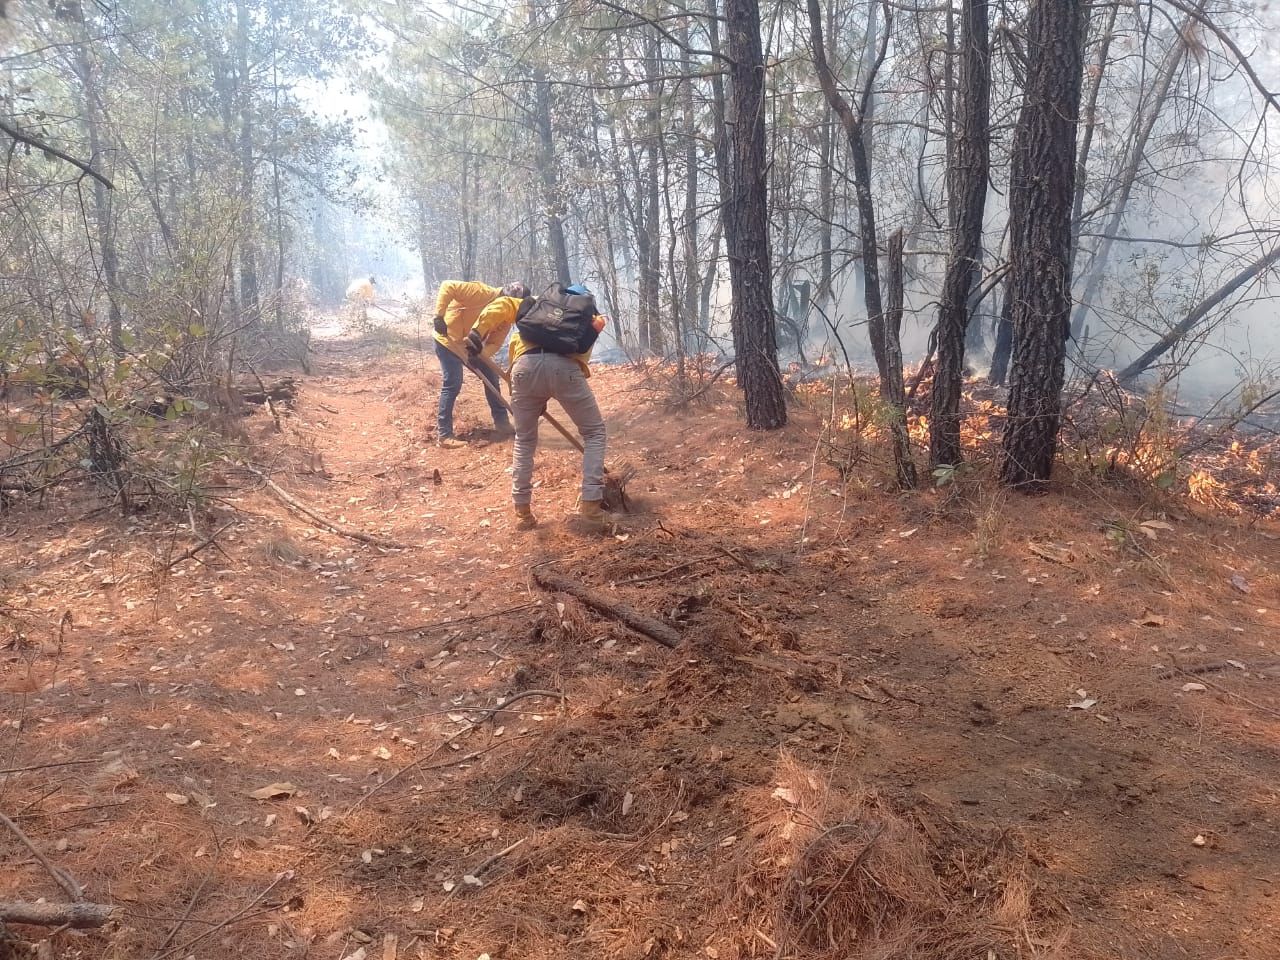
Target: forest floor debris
<point>858,747</point>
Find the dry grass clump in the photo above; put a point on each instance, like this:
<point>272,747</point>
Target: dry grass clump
<point>829,873</point>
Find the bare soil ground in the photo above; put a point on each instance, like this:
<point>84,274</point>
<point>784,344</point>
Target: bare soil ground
<point>954,725</point>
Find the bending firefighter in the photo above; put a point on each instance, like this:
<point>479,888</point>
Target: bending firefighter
<point>459,307</point>
<point>550,352</point>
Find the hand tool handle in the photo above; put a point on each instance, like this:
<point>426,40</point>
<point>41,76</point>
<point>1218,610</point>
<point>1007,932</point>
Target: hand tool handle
<point>471,364</point>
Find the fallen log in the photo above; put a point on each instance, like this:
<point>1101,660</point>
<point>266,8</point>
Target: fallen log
<point>78,916</point>
<point>284,390</point>
<point>655,630</point>
<point>322,521</point>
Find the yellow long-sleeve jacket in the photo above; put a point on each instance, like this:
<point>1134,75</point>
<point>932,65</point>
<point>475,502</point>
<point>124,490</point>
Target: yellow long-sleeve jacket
<point>518,347</point>
<point>495,322</point>
<point>460,302</point>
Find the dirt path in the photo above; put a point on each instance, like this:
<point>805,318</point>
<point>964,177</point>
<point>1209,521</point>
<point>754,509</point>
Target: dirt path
<point>865,741</point>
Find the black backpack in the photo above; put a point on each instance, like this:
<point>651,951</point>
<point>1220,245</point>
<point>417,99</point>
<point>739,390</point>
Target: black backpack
<point>558,321</point>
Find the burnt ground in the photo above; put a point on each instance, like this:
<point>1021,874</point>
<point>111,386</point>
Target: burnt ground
<point>863,746</point>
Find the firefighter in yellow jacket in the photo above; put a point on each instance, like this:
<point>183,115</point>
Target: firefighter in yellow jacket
<point>538,375</point>
<point>459,306</point>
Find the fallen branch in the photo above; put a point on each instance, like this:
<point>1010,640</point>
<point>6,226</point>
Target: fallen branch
<point>50,766</point>
<point>662,574</point>
<point>64,879</point>
<point>488,862</point>
<point>264,396</point>
<point>655,630</point>
<point>77,916</point>
<point>188,554</point>
<point>238,915</point>
<point>322,521</point>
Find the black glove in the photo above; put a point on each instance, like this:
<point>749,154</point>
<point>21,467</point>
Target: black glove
<point>439,324</point>
<point>474,344</point>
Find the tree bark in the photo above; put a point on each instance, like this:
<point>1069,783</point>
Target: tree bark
<point>904,466</point>
<point>649,247</point>
<point>77,916</point>
<point>689,231</point>
<point>546,162</point>
<point>250,299</point>
<point>723,151</point>
<point>851,120</point>
<point>275,169</point>
<point>999,373</point>
<point>104,224</point>
<point>755,335</point>
<point>1041,188</point>
<point>968,162</point>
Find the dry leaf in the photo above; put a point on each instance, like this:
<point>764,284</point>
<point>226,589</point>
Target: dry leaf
<point>181,799</point>
<point>448,886</point>
<point>472,881</point>
<point>1199,840</point>
<point>1086,704</point>
<point>1152,620</point>
<point>274,791</point>
<point>628,801</point>
<point>1241,584</point>
<point>579,906</point>
<point>360,954</point>
<point>1193,687</point>
<point>382,753</point>
<point>785,794</point>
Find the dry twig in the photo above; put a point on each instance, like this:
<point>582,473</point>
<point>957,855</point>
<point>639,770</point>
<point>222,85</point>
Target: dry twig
<point>655,630</point>
<point>322,521</point>
<point>64,879</point>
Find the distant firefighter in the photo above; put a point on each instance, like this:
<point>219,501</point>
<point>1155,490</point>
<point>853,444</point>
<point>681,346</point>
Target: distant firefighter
<point>360,296</point>
<point>361,291</point>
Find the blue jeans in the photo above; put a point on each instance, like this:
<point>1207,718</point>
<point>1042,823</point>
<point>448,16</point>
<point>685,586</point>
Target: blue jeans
<point>452,370</point>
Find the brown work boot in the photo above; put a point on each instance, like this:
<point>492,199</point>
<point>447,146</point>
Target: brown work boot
<point>525,520</point>
<point>450,443</point>
<point>591,516</point>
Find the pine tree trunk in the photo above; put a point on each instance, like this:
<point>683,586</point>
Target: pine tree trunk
<point>102,213</point>
<point>751,278</point>
<point>968,163</point>
<point>546,163</point>
<point>896,393</point>
<point>249,288</point>
<point>1041,188</point>
<point>720,127</point>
